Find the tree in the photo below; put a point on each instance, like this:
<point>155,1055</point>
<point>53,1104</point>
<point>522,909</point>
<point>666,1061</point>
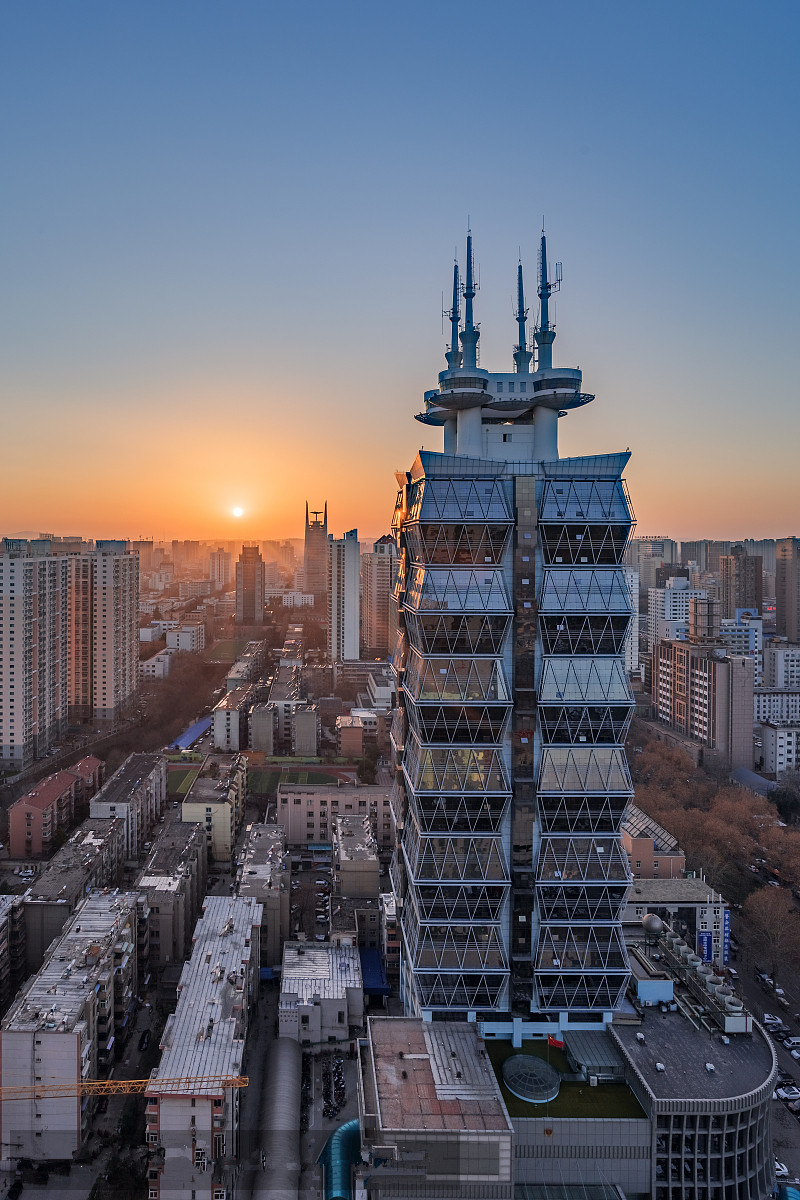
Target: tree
<point>771,915</point>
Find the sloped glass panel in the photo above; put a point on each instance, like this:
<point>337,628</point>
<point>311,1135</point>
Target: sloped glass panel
<point>584,769</point>
<point>584,679</point>
<point>578,499</point>
<point>585,590</point>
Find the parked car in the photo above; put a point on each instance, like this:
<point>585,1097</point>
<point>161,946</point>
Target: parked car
<point>788,1092</point>
<point>144,1042</point>
<point>792,1043</point>
<point>781,1170</point>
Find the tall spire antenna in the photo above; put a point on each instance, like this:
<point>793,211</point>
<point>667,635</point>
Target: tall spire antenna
<point>545,334</point>
<point>453,355</point>
<point>470,334</point>
<point>522,355</point>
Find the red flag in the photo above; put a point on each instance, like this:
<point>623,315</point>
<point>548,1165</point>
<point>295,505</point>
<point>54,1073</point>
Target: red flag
<point>553,1041</point>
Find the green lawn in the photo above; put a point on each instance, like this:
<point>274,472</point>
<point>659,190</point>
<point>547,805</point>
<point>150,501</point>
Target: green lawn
<point>611,1100</point>
<point>179,782</point>
<point>263,781</point>
<point>226,652</point>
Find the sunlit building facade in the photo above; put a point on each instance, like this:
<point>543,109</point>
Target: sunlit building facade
<point>511,775</point>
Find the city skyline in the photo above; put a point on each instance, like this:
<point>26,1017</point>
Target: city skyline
<point>226,243</point>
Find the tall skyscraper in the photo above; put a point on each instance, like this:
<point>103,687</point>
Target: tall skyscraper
<point>787,588</point>
<point>34,652</point>
<point>104,632</point>
<point>250,584</point>
<point>315,554</point>
<point>377,580</point>
<point>740,581</point>
<point>512,778</point>
<point>343,597</point>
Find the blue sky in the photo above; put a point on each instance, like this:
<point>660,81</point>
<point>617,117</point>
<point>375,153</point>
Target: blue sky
<point>226,230</point>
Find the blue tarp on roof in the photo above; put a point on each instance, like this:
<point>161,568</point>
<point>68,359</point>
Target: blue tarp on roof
<point>373,974</point>
<point>191,735</point>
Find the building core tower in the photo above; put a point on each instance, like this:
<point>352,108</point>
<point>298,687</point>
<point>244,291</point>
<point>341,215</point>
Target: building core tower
<point>514,703</point>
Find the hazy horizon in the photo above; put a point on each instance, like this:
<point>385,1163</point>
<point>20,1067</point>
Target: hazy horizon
<point>229,231</point>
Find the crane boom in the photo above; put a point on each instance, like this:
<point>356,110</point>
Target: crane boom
<point>115,1087</point>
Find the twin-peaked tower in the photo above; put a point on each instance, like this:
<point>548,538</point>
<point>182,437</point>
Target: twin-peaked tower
<point>514,703</point>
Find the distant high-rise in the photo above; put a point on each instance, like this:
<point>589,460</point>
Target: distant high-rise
<point>104,632</point>
<point>250,585</point>
<point>34,653</point>
<point>315,554</point>
<point>741,581</point>
<point>377,580</point>
<point>219,568</point>
<point>343,597</point>
<point>787,588</point>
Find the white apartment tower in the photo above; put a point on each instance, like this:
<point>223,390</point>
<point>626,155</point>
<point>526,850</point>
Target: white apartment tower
<point>220,571</point>
<point>104,634</point>
<point>511,775</point>
<point>377,611</point>
<point>34,647</point>
<point>343,597</point>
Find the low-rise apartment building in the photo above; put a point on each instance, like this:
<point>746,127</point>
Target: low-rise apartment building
<point>91,858</point>
<point>230,720</point>
<point>174,879</point>
<point>264,875</point>
<point>217,802</point>
<point>307,813</point>
<point>67,1022</point>
<point>355,857</point>
<point>137,795</point>
<point>781,746</point>
<point>48,809</point>
<point>193,1136</point>
<point>322,994</point>
<point>188,638</point>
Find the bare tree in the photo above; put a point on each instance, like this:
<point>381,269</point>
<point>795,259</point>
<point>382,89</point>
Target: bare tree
<point>770,914</point>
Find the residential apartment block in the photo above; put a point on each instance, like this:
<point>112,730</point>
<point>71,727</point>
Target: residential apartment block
<point>264,874</point>
<point>67,1021</point>
<point>34,652</point>
<point>47,812</point>
<point>781,746</point>
<point>308,813</point>
<point>137,795</point>
<point>787,588</point>
<point>706,696</point>
<point>104,632</point>
<point>174,879</point>
<point>378,627</point>
<point>344,596</point>
<point>218,803</point>
<point>194,1136</point>
<point>91,858</point>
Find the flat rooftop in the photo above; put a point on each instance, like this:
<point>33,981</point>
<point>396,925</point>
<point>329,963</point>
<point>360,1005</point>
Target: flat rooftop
<point>233,701</point>
<point>344,910</point>
<point>670,1038</point>
<point>264,863</point>
<point>674,891</point>
<point>312,970</point>
<point>67,869</point>
<point>443,1081</point>
<point>355,839</point>
<point>205,1034</point>
<point>175,842</point>
<point>124,782</point>
<point>55,996</point>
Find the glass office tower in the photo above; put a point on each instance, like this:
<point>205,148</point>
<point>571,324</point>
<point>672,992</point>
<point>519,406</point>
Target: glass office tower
<point>511,775</point>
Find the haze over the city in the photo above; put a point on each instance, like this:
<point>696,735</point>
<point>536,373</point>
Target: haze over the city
<point>227,231</point>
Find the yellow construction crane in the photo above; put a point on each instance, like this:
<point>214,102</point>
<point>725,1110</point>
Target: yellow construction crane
<point>116,1087</point>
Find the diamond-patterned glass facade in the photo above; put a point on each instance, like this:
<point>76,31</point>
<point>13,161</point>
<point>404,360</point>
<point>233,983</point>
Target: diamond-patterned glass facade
<point>512,780</point>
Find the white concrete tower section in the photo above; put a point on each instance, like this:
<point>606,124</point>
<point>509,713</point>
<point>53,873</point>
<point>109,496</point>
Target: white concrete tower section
<point>472,404</point>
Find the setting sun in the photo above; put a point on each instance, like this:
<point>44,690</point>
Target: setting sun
<point>238,512</point>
